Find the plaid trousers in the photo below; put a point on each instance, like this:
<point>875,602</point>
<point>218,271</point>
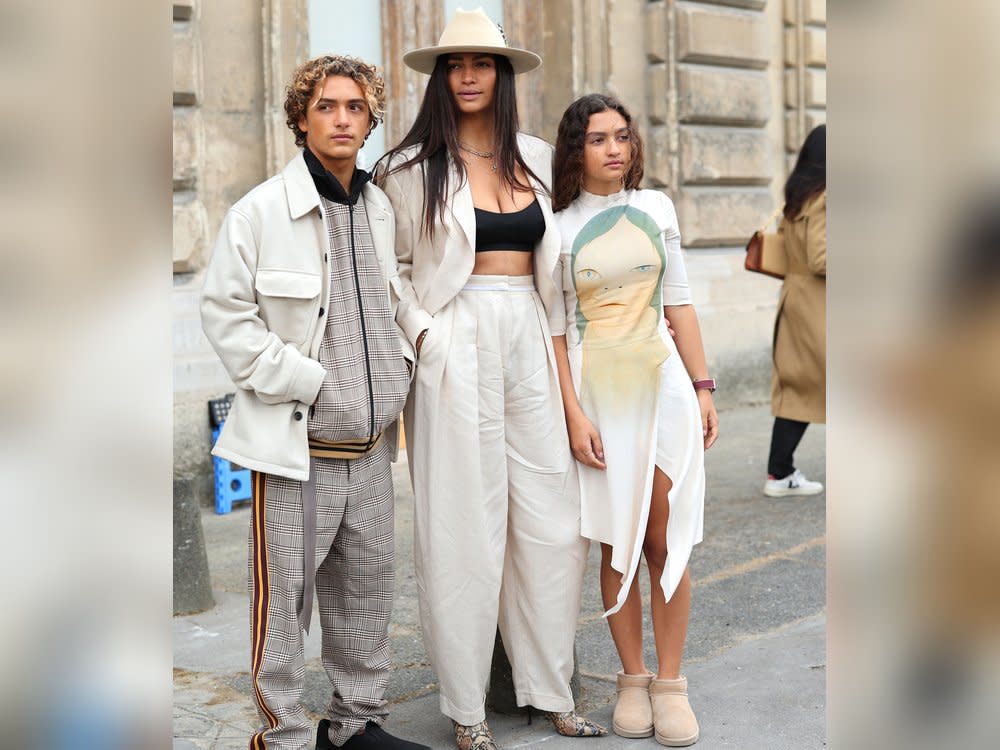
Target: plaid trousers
<point>354,588</point>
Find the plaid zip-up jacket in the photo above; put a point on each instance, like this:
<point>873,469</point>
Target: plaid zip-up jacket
<point>263,309</point>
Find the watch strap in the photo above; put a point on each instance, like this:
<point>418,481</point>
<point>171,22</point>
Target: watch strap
<point>707,384</point>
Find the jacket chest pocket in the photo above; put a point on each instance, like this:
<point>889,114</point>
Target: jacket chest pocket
<point>288,302</point>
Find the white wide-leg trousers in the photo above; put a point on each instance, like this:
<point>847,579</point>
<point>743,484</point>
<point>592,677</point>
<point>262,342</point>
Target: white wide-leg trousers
<point>497,516</point>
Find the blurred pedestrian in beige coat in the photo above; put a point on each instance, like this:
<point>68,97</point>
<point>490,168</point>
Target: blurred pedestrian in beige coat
<point>798,384</point>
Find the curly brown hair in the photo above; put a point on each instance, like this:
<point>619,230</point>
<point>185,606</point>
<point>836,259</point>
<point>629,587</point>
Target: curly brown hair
<point>567,161</point>
<point>313,72</point>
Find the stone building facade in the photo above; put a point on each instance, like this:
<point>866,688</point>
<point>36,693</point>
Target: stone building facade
<point>725,91</point>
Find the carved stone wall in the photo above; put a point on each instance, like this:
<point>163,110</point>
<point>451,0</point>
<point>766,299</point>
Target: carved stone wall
<point>805,71</point>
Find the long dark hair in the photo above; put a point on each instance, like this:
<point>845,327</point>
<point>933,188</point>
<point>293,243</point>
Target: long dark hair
<point>435,134</point>
<point>808,179</point>
<point>567,164</point>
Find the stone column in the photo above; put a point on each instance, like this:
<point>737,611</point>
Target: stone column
<point>192,584</point>
<point>805,71</point>
<point>190,218</point>
<point>575,47</point>
<point>191,244</point>
<point>407,25</point>
<point>285,37</point>
<point>522,24</point>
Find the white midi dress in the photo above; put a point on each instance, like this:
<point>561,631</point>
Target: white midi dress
<point>619,265</point>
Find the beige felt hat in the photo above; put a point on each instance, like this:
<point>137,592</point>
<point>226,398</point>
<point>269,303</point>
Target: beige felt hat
<point>471,31</point>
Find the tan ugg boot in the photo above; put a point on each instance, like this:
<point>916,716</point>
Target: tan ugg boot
<point>673,718</point>
<point>633,713</point>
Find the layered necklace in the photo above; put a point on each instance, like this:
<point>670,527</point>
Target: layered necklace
<point>491,155</point>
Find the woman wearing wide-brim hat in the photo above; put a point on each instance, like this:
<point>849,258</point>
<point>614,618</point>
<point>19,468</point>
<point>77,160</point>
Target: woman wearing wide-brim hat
<point>497,520</point>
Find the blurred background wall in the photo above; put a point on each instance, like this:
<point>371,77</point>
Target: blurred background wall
<point>725,92</point>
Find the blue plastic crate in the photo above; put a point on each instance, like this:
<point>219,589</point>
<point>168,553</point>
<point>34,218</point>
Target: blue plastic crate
<point>232,482</point>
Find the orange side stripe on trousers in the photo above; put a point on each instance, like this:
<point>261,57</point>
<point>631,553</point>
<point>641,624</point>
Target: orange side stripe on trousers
<point>261,595</point>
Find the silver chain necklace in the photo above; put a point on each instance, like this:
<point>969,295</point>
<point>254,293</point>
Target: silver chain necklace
<point>481,154</point>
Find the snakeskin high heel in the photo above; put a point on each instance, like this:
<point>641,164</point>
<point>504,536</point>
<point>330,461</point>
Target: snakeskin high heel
<point>475,737</point>
<point>571,724</point>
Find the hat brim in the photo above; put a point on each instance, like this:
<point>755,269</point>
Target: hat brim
<point>423,60</point>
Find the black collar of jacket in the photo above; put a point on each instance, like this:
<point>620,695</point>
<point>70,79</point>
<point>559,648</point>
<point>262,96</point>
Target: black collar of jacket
<point>329,186</point>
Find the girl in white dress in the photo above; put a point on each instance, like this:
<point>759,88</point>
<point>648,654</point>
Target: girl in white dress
<point>638,402</point>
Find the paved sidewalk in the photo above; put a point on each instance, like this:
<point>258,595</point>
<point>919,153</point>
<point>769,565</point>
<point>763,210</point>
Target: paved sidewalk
<point>755,657</point>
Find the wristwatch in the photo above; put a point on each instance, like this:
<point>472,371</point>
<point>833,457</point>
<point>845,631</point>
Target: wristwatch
<point>706,384</point>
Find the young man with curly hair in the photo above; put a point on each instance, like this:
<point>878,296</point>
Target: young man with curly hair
<point>299,302</point>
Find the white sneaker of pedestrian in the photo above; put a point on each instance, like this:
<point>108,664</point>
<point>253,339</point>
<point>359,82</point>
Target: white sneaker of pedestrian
<point>794,484</point>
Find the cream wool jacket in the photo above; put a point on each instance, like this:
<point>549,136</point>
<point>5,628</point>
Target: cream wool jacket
<point>263,308</point>
<point>433,271</point>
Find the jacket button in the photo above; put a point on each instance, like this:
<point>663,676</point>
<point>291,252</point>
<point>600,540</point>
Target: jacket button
<point>321,312</point>
<point>298,416</point>
<point>326,257</point>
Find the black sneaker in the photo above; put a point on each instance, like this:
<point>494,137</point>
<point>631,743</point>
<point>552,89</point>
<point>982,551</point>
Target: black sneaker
<point>373,737</point>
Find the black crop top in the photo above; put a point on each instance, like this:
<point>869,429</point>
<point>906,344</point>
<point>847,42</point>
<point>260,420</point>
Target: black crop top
<point>518,230</point>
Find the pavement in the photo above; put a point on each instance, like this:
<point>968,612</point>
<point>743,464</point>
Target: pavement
<point>755,656</point>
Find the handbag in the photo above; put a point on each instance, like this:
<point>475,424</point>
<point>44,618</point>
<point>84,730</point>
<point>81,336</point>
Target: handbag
<point>766,251</point>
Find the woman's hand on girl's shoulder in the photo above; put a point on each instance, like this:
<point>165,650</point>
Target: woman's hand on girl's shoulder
<point>585,442</point>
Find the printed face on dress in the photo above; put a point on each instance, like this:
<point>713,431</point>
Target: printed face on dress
<point>616,276</point>
<point>607,152</point>
<point>472,78</point>
<point>336,122</point>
